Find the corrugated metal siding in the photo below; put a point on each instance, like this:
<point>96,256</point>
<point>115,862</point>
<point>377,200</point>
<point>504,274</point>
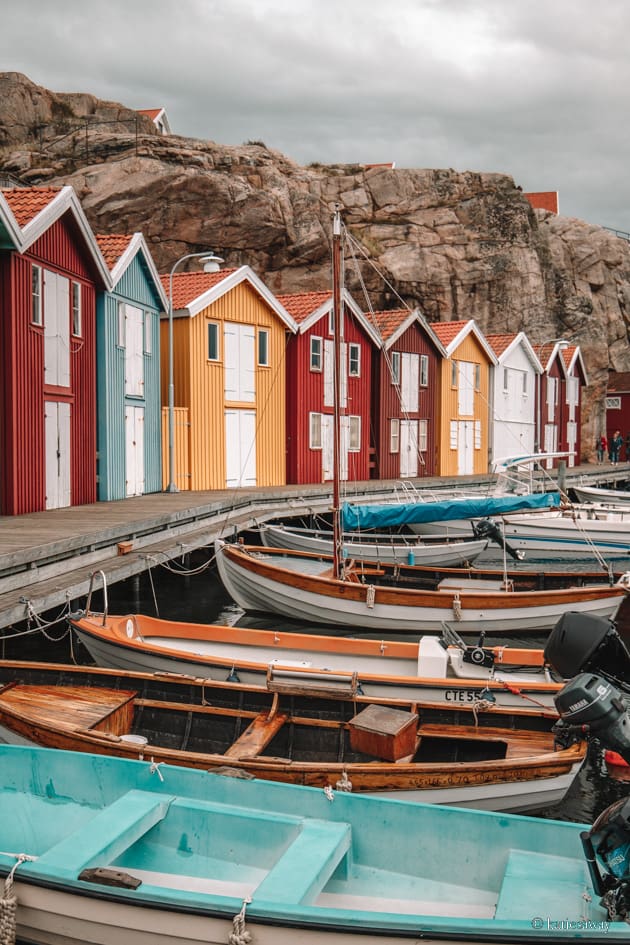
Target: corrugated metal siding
<point>199,385</point>
<point>305,392</point>
<point>58,247</point>
<point>134,288</point>
<point>83,396</point>
<point>469,350</point>
<point>387,406</point>
<point>181,451</point>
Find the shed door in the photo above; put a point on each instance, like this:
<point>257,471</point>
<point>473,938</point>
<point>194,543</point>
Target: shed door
<point>57,431</point>
<point>465,447</point>
<point>409,383</point>
<point>408,448</point>
<point>551,442</point>
<point>239,351</point>
<point>134,352</point>
<point>327,446</point>
<point>134,451</point>
<point>465,388</point>
<point>240,447</point>
<point>571,441</point>
<point>56,330</point>
<point>329,374</point>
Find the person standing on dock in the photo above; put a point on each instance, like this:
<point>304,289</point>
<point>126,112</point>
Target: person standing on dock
<point>615,447</point>
<point>600,447</point>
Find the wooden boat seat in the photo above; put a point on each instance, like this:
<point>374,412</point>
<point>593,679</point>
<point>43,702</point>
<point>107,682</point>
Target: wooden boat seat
<point>108,834</point>
<point>473,584</point>
<point>534,883</point>
<point>257,735</point>
<point>306,866</point>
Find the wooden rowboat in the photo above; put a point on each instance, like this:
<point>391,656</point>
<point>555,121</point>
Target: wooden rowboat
<point>427,670</point>
<point>108,851</point>
<point>397,600</point>
<point>473,757</point>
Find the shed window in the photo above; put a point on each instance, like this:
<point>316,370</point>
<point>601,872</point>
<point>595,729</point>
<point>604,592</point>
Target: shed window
<point>121,325</point>
<point>454,373</point>
<point>423,435</point>
<point>394,436</point>
<point>354,360</point>
<point>354,434</point>
<point>315,431</point>
<point>213,341</point>
<point>395,367</point>
<point>263,347</point>
<point>36,297</point>
<point>525,389</point>
<point>477,376</point>
<point>148,332</point>
<point>316,353</point>
<point>506,380</point>
<point>424,370</point>
<point>76,309</point>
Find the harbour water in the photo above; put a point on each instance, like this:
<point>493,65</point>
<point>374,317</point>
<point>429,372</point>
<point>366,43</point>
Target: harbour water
<point>190,590</point>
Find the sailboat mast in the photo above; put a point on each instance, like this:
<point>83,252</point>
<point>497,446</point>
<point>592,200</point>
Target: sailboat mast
<point>336,509</point>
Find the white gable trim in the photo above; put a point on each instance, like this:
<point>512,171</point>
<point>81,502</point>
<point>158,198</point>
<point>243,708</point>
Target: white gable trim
<point>356,310</point>
<point>575,359</point>
<point>415,316</point>
<point>471,328</point>
<point>244,274</point>
<point>137,244</point>
<point>523,341</point>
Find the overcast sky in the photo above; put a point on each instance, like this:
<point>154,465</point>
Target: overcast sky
<point>537,89</point>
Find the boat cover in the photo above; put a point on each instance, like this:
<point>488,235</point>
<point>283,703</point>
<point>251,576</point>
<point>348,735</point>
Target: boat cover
<point>375,516</point>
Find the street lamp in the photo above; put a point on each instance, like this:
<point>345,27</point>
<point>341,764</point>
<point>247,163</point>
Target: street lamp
<point>562,344</point>
<point>212,264</point>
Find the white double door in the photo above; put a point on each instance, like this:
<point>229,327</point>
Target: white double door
<point>240,447</point>
<point>408,448</point>
<point>465,447</point>
<point>57,436</point>
<point>328,446</point>
<point>134,451</point>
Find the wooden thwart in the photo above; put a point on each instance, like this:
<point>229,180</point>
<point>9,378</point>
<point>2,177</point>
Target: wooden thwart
<point>257,735</point>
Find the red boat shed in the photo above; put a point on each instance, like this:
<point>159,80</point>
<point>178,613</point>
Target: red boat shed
<point>558,408</point>
<point>405,393</point>
<point>50,268</point>
<point>618,405</point>
<point>573,379</point>
<point>310,388</point>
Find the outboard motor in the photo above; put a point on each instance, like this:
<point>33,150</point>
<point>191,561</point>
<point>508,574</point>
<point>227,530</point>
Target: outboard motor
<point>591,705</point>
<point>581,643</point>
<point>607,850</point>
<point>488,528</point>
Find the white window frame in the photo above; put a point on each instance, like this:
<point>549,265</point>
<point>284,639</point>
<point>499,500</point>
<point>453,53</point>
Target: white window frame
<point>395,367</point>
<point>424,370</point>
<point>331,322</point>
<point>454,374</point>
<point>37,313</point>
<point>315,431</point>
<point>120,340</point>
<point>316,354</point>
<point>213,329</point>
<point>506,380</point>
<point>423,435</point>
<point>525,384</point>
<point>263,355</point>
<point>148,333</point>
<point>354,360</point>
<point>77,314</point>
<point>477,375</point>
<point>613,403</point>
<point>394,435</point>
<point>354,434</point>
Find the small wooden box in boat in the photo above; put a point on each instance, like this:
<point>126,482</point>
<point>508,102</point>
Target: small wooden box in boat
<point>473,585</point>
<point>384,732</point>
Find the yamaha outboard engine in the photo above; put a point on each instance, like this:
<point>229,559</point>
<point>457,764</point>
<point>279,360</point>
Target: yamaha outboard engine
<point>595,702</point>
<point>607,850</point>
<point>488,528</point>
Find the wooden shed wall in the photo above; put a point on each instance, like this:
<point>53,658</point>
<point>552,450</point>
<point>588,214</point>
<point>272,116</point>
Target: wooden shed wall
<point>469,350</point>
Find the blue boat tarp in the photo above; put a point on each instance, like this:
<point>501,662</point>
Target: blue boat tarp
<point>390,516</point>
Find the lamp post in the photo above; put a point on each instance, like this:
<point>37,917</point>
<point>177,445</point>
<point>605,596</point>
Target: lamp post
<point>212,264</point>
<point>562,343</point>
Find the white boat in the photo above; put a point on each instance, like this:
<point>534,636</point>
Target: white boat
<point>303,587</point>
<point>431,670</point>
<point>605,497</point>
<point>98,850</point>
<point>391,549</point>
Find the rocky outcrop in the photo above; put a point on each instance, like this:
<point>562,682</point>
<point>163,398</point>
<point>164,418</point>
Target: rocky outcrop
<point>459,245</point>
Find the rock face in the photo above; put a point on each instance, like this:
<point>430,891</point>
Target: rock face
<point>458,245</point>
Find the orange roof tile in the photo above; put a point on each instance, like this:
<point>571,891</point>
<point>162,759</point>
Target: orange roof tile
<point>388,322</point>
<point>447,331</point>
<point>499,343</point>
<point>112,247</point>
<point>188,286</point>
<point>302,304</point>
<point>568,354</point>
<point>27,202</point>
<point>545,200</point>
<point>151,113</point>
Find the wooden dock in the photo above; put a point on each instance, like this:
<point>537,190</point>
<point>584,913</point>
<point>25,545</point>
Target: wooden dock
<point>47,558</point>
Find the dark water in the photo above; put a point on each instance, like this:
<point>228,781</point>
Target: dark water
<point>200,598</point>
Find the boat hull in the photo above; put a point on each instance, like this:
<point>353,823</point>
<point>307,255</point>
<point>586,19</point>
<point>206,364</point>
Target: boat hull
<point>260,584</point>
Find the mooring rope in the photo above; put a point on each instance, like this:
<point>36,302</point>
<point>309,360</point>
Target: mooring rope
<point>8,902</point>
<point>239,934</point>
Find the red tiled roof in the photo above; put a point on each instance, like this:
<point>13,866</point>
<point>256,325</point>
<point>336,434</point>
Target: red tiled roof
<point>618,382</point>
<point>112,247</point>
<point>568,354</point>
<point>388,322</point>
<point>188,286</point>
<point>545,200</point>
<point>27,202</point>
<point>151,113</point>
<point>302,304</point>
<point>543,352</point>
<point>499,343</point>
<point>447,331</point>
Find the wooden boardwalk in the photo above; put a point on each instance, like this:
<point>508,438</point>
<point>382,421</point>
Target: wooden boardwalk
<point>47,558</point>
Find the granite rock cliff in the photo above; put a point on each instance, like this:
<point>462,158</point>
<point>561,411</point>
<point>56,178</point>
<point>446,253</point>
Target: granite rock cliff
<point>457,244</point>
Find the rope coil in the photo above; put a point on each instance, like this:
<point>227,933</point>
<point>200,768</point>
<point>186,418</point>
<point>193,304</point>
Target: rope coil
<point>239,934</point>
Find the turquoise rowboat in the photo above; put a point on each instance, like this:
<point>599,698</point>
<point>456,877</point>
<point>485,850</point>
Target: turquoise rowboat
<point>107,850</point>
